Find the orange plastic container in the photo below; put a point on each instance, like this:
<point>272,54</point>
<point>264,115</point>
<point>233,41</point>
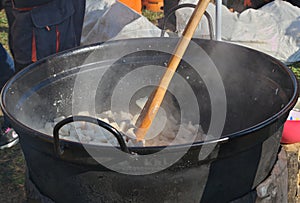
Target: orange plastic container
<point>133,4</point>
<point>154,5</point>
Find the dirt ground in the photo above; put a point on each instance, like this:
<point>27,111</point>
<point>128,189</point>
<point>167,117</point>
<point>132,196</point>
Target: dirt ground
<point>12,175</point>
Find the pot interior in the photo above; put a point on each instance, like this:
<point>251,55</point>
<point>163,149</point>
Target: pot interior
<point>215,82</point>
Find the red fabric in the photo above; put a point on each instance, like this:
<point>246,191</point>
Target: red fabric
<point>24,9</point>
<point>247,3</point>
<point>33,48</point>
<point>291,132</point>
<point>57,39</point>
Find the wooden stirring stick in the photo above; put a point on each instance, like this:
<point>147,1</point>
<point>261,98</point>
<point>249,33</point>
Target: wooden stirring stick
<point>154,101</point>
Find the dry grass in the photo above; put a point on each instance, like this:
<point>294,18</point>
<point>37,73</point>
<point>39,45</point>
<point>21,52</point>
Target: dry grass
<point>3,29</point>
<point>296,69</point>
<point>152,16</point>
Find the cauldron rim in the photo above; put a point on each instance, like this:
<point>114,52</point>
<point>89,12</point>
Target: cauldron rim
<point>49,138</point>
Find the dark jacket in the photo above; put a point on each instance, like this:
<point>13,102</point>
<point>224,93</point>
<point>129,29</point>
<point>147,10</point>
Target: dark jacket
<point>29,3</point>
<point>43,27</point>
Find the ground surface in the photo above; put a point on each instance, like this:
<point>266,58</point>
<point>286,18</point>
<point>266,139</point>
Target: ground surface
<point>12,170</point>
<point>12,164</point>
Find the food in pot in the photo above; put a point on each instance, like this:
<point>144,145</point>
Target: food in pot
<point>124,122</point>
<point>163,131</point>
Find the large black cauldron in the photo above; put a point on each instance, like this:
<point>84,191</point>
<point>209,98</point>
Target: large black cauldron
<point>259,89</point>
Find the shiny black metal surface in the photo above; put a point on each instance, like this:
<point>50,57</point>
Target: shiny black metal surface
<point>260,91</point>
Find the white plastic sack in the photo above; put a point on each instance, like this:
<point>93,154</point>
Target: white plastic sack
<point>94,10</point>
<point>273,29</point>
<point>109,20</point>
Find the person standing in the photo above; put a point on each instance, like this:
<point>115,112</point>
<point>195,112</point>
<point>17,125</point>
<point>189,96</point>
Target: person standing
<point>39,28</point>
<point>8,137</point>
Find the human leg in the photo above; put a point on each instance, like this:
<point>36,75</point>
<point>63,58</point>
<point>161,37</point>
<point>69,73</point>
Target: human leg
<point>6,66</point>
<point>8,137</point>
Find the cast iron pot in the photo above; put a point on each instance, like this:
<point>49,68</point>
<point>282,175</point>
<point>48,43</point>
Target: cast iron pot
<point>259,91</point>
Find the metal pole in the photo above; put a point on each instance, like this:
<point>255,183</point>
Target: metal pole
<point>218,20</point>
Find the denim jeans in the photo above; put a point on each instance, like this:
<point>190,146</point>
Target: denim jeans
<point>6,71</point>
<point>6,66</point>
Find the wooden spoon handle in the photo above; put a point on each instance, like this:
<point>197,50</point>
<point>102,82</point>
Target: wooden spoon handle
<point>154,101</point>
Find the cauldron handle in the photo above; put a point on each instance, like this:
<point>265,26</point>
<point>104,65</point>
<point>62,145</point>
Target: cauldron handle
<point>59,150</point>
<point>167,16</point>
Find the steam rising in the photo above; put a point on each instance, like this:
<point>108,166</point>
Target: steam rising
<point>91,134</point>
